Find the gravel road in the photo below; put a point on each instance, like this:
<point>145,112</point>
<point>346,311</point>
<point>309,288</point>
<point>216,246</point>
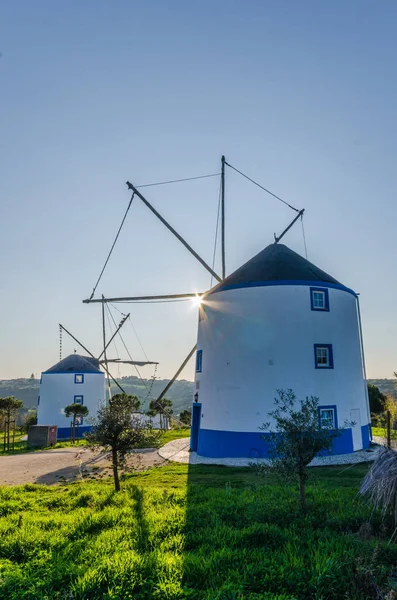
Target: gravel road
<point>66,465</point>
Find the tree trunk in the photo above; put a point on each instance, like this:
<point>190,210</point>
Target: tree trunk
<point>115,470</point>
<point>302,491</point>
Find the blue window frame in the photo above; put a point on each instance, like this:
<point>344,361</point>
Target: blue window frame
<point>79,400</point>
<point>319,299</point>
<point>327,416</point>
<point>38,400</point>
<point>199,361</point>
<point>79,378</point>
<point>323,356</point>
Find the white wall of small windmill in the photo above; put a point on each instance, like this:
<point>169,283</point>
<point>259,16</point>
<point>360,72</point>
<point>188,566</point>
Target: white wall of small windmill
<point>255,340</point>
<point>57,390</point>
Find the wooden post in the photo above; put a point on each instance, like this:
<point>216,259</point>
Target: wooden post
<point>104,346</point>
<point>223,216</point>
<point>388,429</point>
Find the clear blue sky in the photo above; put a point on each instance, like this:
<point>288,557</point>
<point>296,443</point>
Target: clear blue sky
<point>300,95</point>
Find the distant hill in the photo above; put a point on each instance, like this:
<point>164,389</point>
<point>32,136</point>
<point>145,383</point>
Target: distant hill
<point>181,393</point>
<point>386,386</point>
<point>24,389</point>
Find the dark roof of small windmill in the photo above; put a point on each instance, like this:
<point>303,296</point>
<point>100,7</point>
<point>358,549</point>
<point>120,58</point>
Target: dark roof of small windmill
<point>75,363</point>
<point>275,263</point>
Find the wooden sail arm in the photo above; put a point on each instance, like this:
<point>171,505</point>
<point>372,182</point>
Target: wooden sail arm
<point>179,371</point>
<point>145,298</point>
<point>123,320</point>
<point>139,363</point>
<point>170,228</point>
<point>90,353</point>
<point>300,214</point>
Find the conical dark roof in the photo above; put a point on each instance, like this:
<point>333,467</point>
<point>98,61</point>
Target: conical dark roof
<point>275,263</point>
<point>75,363</point>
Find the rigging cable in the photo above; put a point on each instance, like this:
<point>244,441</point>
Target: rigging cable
<point>304,237</point>
<point>114,343</point>
<point>177,180</point>
<point>132,325</point>
<point>262,188</point>
<point>113,245</point>
<point>216,231</point>
<point>153,378</point>
<point>128,352</point>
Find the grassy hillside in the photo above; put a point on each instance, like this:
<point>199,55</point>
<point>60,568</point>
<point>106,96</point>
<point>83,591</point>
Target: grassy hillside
<point>203,532</point>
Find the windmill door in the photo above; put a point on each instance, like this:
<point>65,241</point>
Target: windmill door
<point>356,429</point>
<point>194,433</point>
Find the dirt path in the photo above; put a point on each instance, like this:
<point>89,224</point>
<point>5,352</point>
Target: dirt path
<point>66,465</point>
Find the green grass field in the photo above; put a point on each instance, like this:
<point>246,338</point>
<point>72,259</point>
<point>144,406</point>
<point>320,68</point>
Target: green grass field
<point>21,446</point>
<point>382,432</point>
<point>202,532</point>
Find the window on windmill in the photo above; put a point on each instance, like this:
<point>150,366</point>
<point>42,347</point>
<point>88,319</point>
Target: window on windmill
<point>327,418</point>
<point>323,356</point>
<point>79,378</point>
<point>199,361</point>
<point>78,399</point>
<point>319,299</point>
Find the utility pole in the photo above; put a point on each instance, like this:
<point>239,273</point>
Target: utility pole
<point>223,216</point>
<point>104,344</point>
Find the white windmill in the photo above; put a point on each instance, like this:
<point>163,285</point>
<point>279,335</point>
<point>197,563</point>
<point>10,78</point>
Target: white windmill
<point>277,322</point>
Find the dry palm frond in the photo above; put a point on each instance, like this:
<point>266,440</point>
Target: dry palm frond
<point>380,484</point>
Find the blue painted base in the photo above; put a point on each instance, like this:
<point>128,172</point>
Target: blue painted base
<point>235,444</point>
<point>366,434</point>
<point>64,432</point>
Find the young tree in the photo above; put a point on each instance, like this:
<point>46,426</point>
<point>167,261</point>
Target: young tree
<point>185,416</point>
<point>376,399</point>
<point>297,438</point>
<point>29,419</point>
<point>9,408</point>
<point>115,428</point>
<point>76,411</point>
<point>133,401</point>
<point>163,408</point>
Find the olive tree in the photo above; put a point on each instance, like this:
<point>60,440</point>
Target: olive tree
<point>297,437</point>
<point>117,429</point>
<point>163,408</point>
<point>76,411</point>
<point>9,408</point>
<point>185,416</point>
<point>133,400</point>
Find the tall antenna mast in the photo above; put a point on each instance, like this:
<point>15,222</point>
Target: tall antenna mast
<point>223,216</point>
<point>104,344</point>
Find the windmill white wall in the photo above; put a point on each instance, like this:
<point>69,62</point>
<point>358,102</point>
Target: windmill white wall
<point>255,337</point>
<point>74,379</point>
